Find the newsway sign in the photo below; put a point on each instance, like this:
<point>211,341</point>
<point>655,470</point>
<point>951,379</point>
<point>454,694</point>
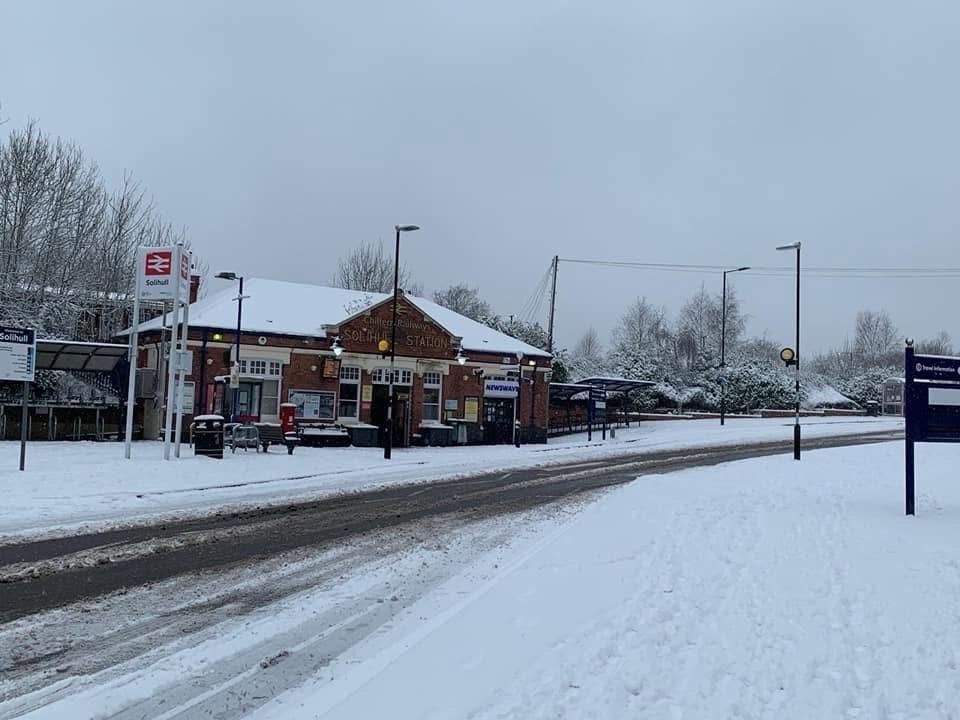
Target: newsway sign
<point>18,354</point>
<point>500,388</point>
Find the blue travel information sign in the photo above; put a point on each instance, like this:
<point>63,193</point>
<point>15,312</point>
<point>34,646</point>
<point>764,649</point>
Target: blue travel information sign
<point>931,408</point>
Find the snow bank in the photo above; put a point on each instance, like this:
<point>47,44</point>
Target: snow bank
<point>69,486</point>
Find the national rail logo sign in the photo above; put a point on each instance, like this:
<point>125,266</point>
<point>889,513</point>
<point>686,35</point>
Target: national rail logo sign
<point>156,276</point>
<point>158,262</point>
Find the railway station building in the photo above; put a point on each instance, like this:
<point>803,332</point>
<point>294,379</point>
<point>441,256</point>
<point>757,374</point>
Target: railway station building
<point>322,349</point>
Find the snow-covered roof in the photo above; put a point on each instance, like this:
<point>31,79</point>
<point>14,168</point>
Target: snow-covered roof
<point>288,308</point>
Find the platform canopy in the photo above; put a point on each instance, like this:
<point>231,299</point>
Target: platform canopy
<point>560,392</point>
<point>79,356</point>
<point>615,384</point>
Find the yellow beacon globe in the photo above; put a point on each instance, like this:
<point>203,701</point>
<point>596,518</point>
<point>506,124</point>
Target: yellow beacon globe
<point>383,345</point>
<point>787,354</point>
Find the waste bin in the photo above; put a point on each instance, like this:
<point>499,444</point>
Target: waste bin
<point>873,408</point>
<point>207,433</point>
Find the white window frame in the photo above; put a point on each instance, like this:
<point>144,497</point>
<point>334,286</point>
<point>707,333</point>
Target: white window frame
<point>429,384</point>
<point>381,376</point>
<point>352,378</point>
<point>274,368</point>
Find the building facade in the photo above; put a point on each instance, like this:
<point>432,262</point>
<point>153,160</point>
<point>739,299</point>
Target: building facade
<point>450,372</point>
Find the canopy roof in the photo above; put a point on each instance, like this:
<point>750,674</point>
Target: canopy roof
<point>615,384</point>
<point>567,391</point>
<point>79,356</point>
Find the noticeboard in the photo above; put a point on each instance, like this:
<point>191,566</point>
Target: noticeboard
<point>18,354</point>
<point>313,404</point>
<point>471,409</point>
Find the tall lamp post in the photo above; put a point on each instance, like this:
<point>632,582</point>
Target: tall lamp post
<point>723,345</point>
<point>235,405</point>
<point>795,361</point>
<point>388,445</point>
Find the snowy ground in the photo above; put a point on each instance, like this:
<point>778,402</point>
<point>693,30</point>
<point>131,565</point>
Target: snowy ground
<point>761,589</point>
<point>765,588</point>
<point>69,486</point>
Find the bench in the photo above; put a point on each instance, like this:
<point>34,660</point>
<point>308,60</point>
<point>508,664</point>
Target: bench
<point>271,434</point>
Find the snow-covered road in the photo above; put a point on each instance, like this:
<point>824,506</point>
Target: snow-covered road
<point>69,487</point>
<point>764,588</point>
<point>761,589</point>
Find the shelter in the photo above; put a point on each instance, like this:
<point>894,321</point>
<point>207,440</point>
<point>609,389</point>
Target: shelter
<point>86,406</point>
<point>569,402</point>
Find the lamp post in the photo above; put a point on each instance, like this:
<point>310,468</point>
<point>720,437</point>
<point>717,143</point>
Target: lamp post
<point>516,400</point>
<point>235,405</point>
<point>533,396</point>
<point>723,345</point>
<point>796,358</point>
<point>388,445</point>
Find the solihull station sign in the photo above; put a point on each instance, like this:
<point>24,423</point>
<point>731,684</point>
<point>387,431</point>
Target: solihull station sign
<point>417,335</point>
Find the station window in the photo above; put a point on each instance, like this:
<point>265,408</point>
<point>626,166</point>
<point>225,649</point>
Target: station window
<point>253,367</point>
<point>274,368</point>
<point>349,406</point>
<point>431,396</point>
<point>381,376</point>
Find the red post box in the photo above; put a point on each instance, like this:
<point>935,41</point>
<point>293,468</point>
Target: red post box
<point>287,413</point>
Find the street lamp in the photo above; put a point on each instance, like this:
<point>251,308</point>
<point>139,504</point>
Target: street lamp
<point>516,400</point>
<point>533,396</point>
<point>388,445</point>
<point>235,415</point>
<point>337,347</point>
<point>461,358</point>
<point>723,345</point>
<point>795,361</point>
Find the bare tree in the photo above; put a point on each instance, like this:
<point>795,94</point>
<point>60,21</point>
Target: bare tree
<point>940,344</point>
<point>368,268</point>
<point>876,336</point>
<point>466,301</point>
<point>67,245</point>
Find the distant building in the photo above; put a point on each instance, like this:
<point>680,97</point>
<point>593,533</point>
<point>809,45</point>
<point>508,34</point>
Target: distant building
<point>287,355</point>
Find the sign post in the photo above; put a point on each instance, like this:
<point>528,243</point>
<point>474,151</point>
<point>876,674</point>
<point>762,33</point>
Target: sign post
<point>163,273</point>
<point>931,397</point>
<point>598,401</point>
<point>18,363</point>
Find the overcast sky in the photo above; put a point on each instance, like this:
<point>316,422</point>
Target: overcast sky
<point>281,134</point>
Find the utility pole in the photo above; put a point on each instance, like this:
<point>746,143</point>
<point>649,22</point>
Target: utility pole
<point>723,346</point>
<point>553,304</point>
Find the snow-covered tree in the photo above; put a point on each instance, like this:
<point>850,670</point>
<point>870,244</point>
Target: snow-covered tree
<point>587,357</point>
<point>641,342</point>
<point>67,243</point>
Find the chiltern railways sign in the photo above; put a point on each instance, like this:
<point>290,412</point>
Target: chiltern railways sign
<point>18,354</point>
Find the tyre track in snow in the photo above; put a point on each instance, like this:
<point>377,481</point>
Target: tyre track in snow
<point>41,575</point>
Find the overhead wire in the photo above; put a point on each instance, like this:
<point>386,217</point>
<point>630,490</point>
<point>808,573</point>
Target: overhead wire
<point>832,272</point>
